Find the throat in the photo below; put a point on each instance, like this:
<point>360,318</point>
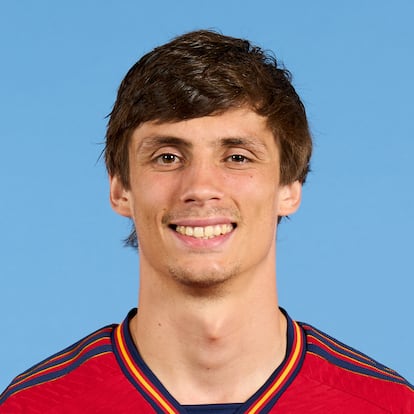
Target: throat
<point>221,357</point>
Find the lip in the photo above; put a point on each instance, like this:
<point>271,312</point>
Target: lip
<point>208,244</point>
<point>202,222</point>
<point>202,244</point>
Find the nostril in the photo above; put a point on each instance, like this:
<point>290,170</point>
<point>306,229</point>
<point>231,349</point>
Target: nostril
<point>201,198</point>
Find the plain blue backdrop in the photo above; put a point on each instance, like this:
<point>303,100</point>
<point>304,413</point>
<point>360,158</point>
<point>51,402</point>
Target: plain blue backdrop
<point>345,260</point>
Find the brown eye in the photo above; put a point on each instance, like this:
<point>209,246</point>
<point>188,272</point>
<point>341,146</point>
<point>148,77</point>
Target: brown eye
<point>238,158</point>
<point>167,159</point>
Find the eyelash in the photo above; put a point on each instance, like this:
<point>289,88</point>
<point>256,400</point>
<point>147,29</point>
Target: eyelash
<point>167,158</point>
<point>238,158</point>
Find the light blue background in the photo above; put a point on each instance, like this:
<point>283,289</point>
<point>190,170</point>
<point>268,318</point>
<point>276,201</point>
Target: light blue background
<point>345,261</point>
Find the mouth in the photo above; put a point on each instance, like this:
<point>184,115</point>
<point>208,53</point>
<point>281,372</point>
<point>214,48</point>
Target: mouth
<point>204,232</point>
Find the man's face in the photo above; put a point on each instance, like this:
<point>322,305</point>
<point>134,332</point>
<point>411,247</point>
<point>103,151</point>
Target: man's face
<point>205,197</point>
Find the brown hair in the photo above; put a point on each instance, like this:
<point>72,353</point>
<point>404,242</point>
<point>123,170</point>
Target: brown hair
<point>202,73</point>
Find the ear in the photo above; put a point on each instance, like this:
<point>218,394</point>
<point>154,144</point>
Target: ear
<point>290,196</point>
<point>120,197</point>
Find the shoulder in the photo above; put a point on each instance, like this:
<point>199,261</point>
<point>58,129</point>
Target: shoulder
<point>57,368</point>
<point>336,365</point>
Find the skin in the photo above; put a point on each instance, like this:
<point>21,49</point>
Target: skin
<point>208,315</point>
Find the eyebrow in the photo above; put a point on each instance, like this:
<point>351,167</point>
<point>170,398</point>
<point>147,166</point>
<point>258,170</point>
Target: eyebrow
<point>161,140</point>
<point>237,141</point>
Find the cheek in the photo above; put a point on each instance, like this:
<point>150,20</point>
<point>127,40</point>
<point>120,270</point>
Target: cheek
<point>255,189</point>
<point>151,201</point>
<point>266,208</point>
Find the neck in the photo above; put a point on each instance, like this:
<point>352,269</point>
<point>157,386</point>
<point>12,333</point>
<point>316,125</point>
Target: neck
<point>222,347</point>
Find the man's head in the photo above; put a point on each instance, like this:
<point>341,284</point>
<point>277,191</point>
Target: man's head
<point>205,73</point>
<point>202,73</point>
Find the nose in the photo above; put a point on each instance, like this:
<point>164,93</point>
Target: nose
<point>201,182</point>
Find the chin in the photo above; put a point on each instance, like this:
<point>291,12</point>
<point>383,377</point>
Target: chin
<point>203,280</point>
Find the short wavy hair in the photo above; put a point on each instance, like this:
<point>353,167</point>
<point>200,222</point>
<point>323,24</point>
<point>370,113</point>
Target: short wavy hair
<point>203,73</point>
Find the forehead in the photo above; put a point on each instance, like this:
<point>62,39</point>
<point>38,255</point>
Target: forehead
<point>237,124</point>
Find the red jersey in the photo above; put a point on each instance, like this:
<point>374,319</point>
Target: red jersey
<point>104,373</point>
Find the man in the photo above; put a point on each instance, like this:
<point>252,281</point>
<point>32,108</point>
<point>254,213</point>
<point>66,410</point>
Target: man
<point>207,149</point>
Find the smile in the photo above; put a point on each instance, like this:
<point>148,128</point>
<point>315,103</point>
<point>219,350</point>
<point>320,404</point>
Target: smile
<point>207,232</point>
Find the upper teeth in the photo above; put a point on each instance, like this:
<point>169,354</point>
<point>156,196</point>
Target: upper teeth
<point>206,232</point>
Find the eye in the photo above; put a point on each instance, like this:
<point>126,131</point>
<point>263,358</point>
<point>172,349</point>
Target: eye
<point>167,159</point>
<point>238,158</point>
